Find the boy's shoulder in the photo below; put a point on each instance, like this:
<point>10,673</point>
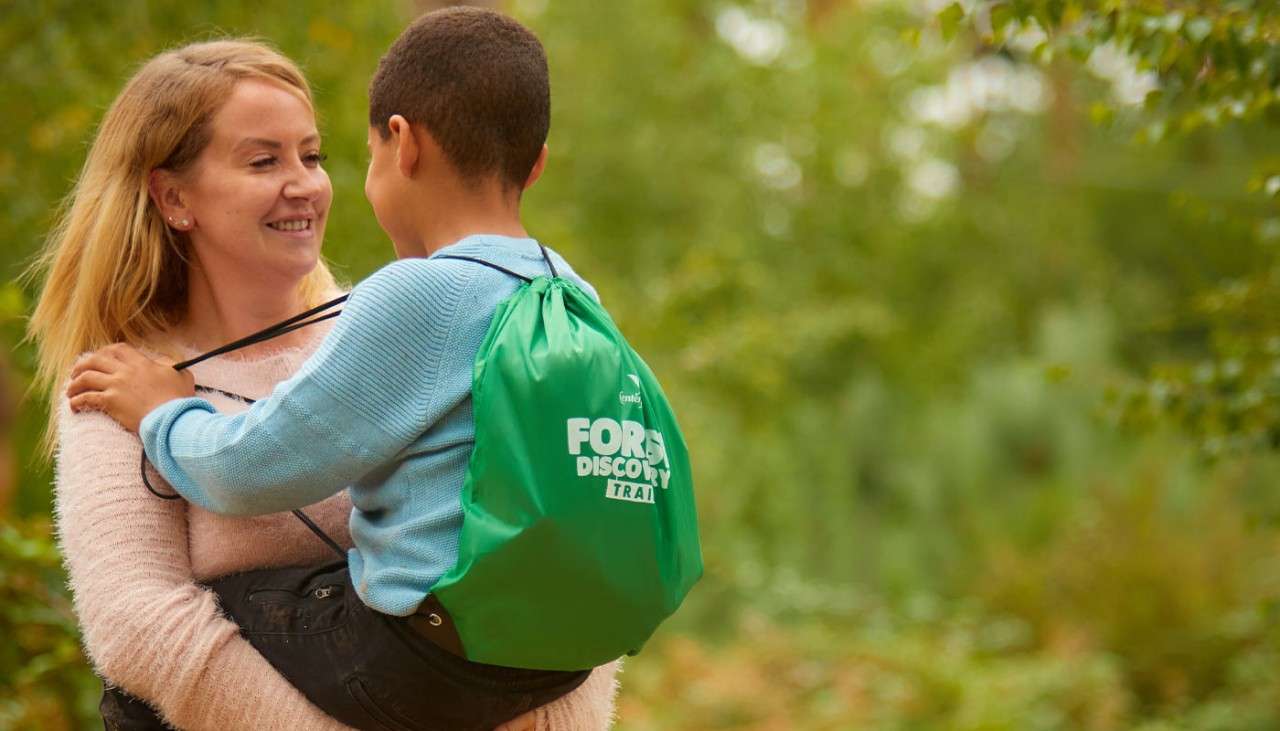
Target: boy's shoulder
<point>410,287</point>
<point>414,273</point>
<point>441,274</point>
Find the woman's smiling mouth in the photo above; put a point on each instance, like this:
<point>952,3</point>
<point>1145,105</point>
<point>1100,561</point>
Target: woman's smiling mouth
<point>292,226</point>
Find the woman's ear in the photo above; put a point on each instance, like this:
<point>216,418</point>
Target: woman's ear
<point>162,185</point>
<point>407,147</point>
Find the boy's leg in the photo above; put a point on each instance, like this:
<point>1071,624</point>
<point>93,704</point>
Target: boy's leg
<point>297,619</point>
<point>370,670</point>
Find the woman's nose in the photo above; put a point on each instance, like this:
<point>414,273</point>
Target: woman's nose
<point>304,182</point>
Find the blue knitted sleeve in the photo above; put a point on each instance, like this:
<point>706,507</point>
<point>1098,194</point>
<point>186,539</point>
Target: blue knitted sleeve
<point>365,395</point>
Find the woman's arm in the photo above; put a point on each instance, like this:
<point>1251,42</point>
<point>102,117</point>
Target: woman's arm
<point>588,708</point>
<point>146,624</point>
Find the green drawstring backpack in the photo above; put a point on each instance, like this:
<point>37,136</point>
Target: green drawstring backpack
<point>580,533</point>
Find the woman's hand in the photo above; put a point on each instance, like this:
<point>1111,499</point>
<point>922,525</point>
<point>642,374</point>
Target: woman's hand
<point>526,722</point>
<point>125,384</point>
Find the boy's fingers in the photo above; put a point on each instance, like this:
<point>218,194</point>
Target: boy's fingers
<point>123,352</point>
<point>80,365</point>
<point>98,361</point>
<point>126,353</point>
<point>89,401</point>
<point>88,381</point>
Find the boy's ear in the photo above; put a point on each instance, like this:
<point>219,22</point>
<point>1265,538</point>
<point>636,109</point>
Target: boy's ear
<point>538,167</point>
<point>162,186</point>
<point>408,150</point>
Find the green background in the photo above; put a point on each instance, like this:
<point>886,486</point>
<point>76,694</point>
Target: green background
<point>904,293</point>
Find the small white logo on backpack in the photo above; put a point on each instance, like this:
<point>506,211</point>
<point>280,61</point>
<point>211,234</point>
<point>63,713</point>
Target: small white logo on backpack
<point>630,398</point>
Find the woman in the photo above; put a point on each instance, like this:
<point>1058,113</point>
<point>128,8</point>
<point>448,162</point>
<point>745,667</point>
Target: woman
<point>119,268</point>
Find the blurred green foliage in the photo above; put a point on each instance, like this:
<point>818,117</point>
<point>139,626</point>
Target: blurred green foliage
<point>1216,60</point>
<point>1195,68</point>
<point>44,682</point>
<point>889,280</point>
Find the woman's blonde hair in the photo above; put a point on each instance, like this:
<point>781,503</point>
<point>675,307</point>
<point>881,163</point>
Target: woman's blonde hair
<point>113,270</point>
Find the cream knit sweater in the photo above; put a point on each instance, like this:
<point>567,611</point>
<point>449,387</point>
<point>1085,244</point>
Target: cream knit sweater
<point>134,560</point>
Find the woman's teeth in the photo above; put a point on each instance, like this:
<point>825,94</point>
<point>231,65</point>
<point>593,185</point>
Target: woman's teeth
<point>302,225</point>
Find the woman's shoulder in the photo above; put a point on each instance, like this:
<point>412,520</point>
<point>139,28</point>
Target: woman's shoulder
<point>87,430</point>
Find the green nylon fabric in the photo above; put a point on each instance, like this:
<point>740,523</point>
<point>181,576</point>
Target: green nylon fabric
<point>579,532</point>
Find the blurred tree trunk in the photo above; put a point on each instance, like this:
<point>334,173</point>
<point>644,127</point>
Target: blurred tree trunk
<point>1063,126</point>
<point>818,10</point>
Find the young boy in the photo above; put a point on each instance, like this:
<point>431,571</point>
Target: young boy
<point>459,110</point>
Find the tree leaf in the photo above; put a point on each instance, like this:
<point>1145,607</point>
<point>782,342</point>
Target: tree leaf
<point>1198,29</point>
<point>1001,16</point>
<point>950,19</point>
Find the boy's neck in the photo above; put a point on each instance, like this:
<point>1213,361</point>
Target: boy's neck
<point>454,215</point>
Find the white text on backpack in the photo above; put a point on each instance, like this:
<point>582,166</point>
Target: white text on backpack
<point>623,450</point>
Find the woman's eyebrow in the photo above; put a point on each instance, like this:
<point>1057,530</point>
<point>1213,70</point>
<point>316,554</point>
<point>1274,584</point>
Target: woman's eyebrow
<point>258,142</point>
<point>272,144</point>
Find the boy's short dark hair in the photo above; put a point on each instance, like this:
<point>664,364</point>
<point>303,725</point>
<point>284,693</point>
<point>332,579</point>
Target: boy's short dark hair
<point>477,81</point>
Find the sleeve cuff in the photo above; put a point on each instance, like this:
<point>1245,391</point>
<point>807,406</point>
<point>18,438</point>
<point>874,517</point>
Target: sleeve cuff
<point>158,422</point>
<point>155,434</point>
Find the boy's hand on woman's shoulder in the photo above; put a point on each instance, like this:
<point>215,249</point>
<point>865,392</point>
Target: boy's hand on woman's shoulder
<point>125,384</point>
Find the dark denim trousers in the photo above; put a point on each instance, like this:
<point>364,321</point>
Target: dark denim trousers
<point>367,669</point>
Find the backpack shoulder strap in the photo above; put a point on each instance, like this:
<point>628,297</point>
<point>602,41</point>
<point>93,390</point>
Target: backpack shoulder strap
<point>489,264</point>
<point>545,257</point>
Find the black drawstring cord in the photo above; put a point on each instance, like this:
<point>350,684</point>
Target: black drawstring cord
<point>321,534</point>
<point>285,326</point>
<point>280,328</point>
<point>146,480</point>
<point>489,264</point>
<point>546,256</point>
<point>276,330</point>
<point>298,513</point>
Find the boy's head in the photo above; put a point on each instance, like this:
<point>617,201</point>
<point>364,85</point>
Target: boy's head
<point>476,82</point>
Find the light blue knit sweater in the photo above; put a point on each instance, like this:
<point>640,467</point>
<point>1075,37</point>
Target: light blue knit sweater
<point>383,406</point>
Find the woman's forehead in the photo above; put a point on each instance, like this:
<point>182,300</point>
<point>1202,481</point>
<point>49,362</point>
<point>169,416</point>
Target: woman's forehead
<point>258,109</point>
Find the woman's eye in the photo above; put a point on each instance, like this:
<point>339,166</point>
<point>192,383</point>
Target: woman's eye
<point>262,162</point>
<point>315,158</point>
